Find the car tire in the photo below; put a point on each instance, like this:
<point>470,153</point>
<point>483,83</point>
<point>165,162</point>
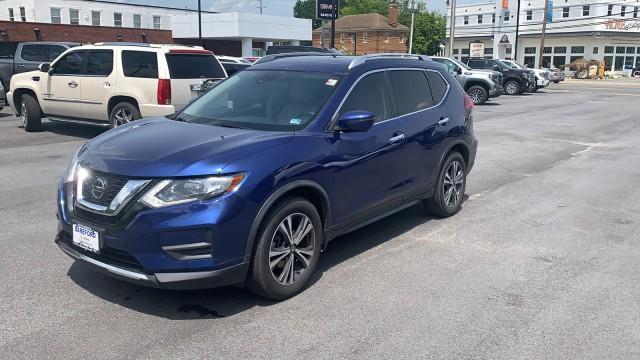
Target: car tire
<point>275,255</point>
<point>556,81</point>
<point>478,94</point>
<point>512,87</point>
<point>636,74</point>
<point>30,113</point>
<point>448,195</point>
<point>123,113</point>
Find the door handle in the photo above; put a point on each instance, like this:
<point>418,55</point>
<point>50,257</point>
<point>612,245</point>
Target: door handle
<point>72,84</point>
<point>20,65</point>
<point>396,139</point>
<point>443,121</point>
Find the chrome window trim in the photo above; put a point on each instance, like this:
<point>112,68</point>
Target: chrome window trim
<point>128,191</point>
<point>334,118</point>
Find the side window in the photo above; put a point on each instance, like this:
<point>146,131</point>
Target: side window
<point>410,91</point>
<point>54,52</point>
<point>438,86</point>
<point>140,64</point>
<point>35,53</point>
<point>100,62</point>
<point>70,64</point>
<point>476,64</point>
<point>451,67</point>
<point>369,94</point>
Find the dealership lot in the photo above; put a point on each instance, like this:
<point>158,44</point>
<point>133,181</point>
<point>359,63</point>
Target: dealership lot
<point>542,262</point>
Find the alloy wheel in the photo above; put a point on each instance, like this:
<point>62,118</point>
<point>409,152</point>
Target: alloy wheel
<point>476,96</point>
<point>23,115</point>
<point>122,116</point>
<point>291,249</point>
<point>512,88</point>
<point>453,184</point>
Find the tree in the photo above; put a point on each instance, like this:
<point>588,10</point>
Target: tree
<point>428,32</point>
<point>306,9</point>
<point>355,7</point>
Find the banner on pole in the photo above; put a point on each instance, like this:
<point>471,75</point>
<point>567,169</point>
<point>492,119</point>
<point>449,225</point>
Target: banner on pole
<point>549,13</point>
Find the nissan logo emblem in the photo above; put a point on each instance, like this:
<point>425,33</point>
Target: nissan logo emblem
<point>98,187</point>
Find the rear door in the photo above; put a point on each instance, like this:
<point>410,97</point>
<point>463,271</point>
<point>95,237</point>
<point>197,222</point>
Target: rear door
<point>32,55</point>
<point>98,84</point>
<point>190,67</point>
<point>426,117</point>
<point>62,90</point>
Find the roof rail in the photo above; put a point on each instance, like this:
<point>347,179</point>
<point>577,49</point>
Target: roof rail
<point>122,43</point>
<point>364,58</point>
<point>272,57</point>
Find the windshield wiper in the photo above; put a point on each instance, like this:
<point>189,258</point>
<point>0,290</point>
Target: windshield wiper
<point>227,125</point>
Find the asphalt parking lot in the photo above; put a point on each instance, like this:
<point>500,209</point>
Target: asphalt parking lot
<point>542,262</point>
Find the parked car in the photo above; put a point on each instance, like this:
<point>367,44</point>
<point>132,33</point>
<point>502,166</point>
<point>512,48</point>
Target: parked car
<point>233,64</point>
<point>111,84</point>
<point>251,180</point>
<point>480,85</point>
<point>514,81</point>
<point>542,75</point>
<point>636,71</point>
<point>252,59</point>
<point>28,56</point>
<point>556,75</point>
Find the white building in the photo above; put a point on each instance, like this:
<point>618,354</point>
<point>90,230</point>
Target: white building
<point>232,33</point>
<point>601,30</point>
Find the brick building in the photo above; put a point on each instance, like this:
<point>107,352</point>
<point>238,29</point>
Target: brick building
<point>367,34</point>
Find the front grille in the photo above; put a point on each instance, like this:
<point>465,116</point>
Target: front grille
<point>107,255</point>
<point>100,188</point>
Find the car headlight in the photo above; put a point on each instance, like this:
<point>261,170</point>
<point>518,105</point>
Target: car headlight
<point>180,191</point>
<point>73,165</point>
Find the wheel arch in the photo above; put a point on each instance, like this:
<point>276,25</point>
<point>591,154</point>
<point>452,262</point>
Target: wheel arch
<point>477,83</point>
<point>113,101</point>
<point>307,189</point>
<point>458,146</point>
<point>17,97</point>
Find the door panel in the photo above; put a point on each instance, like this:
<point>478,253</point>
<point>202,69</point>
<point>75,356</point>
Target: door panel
<point>98,85</point>
<point>62,93</point>
<point>368,167</point>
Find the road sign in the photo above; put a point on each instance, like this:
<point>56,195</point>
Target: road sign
<point>324,9</point>
<point>476,49</point>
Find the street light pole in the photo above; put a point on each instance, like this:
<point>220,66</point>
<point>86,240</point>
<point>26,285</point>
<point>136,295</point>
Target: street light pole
<point>453,24</point>
<point>200,23</point>
<point>413,13</point>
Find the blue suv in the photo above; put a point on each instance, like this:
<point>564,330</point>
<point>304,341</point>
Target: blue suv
<point>250,181</point>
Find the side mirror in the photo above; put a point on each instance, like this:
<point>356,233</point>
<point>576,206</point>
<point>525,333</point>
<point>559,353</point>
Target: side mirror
<point>496,68</point>
<point>356,121</point>
<point>45,67</point>
<point>459,71</point>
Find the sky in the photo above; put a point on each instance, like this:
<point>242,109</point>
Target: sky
<point>270,7</point>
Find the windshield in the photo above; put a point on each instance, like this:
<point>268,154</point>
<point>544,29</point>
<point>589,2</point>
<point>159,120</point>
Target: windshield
<point>502,64</point>
<point>515,65</point>
<point>460,64</point>
<point>263,100</point>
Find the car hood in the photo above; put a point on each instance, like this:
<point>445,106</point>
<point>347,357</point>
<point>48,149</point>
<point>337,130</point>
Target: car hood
<point>25,77</point>
<point>168,148</point>
<point>490,72</point>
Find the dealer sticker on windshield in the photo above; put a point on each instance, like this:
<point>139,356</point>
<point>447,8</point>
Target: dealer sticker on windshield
<point>331,82</point>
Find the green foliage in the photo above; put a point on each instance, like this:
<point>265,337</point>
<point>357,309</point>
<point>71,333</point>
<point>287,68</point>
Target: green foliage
<point>428,32</point>
<point>306,9</point>
<point>355,7</point>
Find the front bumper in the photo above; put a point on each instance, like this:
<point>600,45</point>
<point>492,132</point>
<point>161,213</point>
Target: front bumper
<point>9,101</point>
<point>174,281</point>
<point>496,91</point>
<point>155,247</point>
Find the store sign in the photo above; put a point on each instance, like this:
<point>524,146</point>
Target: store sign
<point>549,11</point>
<point>505,4</point>
<point>476,49</point>
<point>620,24</point>
<point>324,9</point>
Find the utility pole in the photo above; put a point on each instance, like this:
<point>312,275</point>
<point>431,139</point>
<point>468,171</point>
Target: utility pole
<point>544,30</point>
<point>260,6</point>
<point>413,14</point>
<point>515,51</point>
<point>322,35</point>
<point>200,23</point>
<point>334,12</point>
<point>453,24</point>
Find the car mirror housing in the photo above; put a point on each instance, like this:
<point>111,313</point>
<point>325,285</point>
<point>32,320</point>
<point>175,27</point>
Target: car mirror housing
<point>496,67</point>
<point>44,67</point>
<point>356,121</point>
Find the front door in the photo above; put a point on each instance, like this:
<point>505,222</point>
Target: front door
<point>98,84</point>
<point>62,87</point>
<point>368,167</point>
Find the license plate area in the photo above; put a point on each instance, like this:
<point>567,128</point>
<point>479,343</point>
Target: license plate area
<point>86,238</point>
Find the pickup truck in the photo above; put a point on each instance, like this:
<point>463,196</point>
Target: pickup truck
<point>28,56</point>
<point>515,81</point>
<point>542,75</point>
<point>480,85</point>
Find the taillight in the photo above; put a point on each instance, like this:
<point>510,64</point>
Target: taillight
<point>164,92</point>
<point>468,103</point>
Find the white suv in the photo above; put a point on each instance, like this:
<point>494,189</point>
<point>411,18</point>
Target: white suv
<point>112,83</point>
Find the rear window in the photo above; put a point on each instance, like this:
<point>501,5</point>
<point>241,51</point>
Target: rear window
<point>194,66</point>
<point>140,64</point>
